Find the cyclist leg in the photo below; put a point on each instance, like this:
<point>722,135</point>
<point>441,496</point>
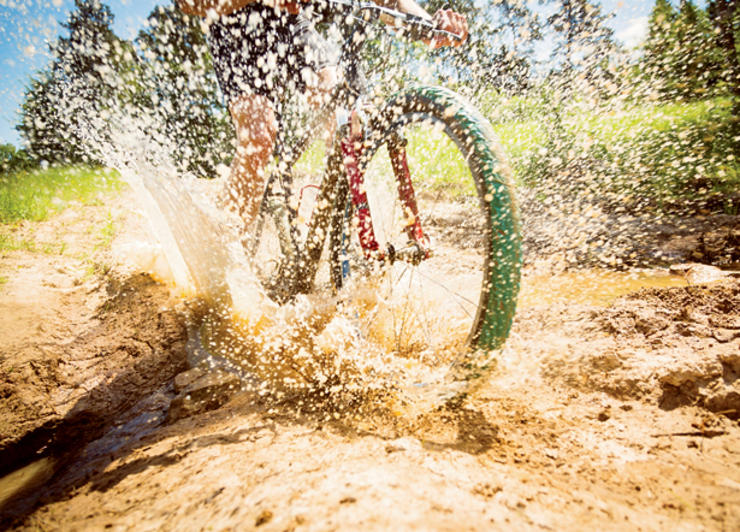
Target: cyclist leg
<point>256,129</point>
<point>251,56</point>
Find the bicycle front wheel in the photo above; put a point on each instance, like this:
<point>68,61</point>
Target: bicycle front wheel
<point>462,292</point>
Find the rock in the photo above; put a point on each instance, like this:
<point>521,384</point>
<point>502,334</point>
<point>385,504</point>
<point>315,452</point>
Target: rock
<point>703,274</point>
<point>725,322</point>
<point>725,335</point>
<point>684,370</point>
<point>680,269</point>
<point>695,316</point>
<point>725,402</point>
<point>696,330</point>
<point>263,518</point>
<point>732,361</point>
<point>207,392</point>
<point>605,361</point>
<point>186,378</point>
<point>722,245</point>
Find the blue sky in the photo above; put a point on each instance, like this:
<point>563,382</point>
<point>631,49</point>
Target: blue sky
<point>26,26</point>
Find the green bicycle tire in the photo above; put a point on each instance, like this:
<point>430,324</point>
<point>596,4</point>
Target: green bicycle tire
<point>475,139</point>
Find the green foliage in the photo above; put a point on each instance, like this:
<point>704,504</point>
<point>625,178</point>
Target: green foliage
<point>93,71</point>
<point>41,126</point>
<point>499,50</point>
<point>35,194</point>
<point>671,156</point>
<point>681,57</point>
<point>71,108</point>
<point>583,37</point>
<point>10,243</point>
<point>725,18</point>
<point>13,160</point>
<point>585,61</point>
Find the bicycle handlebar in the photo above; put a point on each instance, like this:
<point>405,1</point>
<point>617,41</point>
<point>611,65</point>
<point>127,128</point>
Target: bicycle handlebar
<point>416,27</point>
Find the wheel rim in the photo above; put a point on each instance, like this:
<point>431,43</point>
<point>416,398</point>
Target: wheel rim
<point>428,310</point>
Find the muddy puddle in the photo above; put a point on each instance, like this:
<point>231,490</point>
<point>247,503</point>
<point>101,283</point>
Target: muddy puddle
<point>28,478</point>
<point>593,286</point>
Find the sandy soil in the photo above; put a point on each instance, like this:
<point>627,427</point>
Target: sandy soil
<point>619,418</point>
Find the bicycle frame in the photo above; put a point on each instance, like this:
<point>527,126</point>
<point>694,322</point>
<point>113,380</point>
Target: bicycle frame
<point>343,177</point>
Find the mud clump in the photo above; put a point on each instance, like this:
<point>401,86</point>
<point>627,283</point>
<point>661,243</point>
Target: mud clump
<point>720,246</point>
<point>676,347</point>
<point>619,240</point>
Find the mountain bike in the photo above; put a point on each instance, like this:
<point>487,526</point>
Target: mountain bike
<point>414,217</point>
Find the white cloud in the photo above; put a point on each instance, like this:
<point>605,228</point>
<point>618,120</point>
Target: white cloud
<point>635,33</point>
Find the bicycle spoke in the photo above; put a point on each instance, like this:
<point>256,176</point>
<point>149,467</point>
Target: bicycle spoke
<point>453,292</point>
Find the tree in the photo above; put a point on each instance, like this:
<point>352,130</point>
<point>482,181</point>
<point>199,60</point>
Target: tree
<point>93,65</point>
<point>660,46</point>
<point>725,17</point>
<point>681,58</point>
<point>93,71</point>
<point>41,127</point>
<point>182,94</point>
<point>582,37</point>
<point>13,160</point>
<point>700,64</point>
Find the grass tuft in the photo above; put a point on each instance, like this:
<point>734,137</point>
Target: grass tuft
<point>37,194</point>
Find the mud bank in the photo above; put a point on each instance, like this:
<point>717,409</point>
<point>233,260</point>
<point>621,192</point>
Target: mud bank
<point>616,417</point>
<point>81,344</point>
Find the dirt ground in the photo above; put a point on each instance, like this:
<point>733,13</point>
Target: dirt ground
<point>617,417</point>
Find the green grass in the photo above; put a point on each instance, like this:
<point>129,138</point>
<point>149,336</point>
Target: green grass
<point>106,234</point>
<point>35,195</point>
<point>638,120</point>
<point>10,243</point>
<point>433,158</point>
<point>671,154</point>
<point>312,160</point>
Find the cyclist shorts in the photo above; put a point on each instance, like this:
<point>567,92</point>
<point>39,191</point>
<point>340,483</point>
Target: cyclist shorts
<point>260,51</point>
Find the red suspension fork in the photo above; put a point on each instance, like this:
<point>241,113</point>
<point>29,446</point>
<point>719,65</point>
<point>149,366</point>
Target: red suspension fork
<point>351,154</point>
<point>397,152</point>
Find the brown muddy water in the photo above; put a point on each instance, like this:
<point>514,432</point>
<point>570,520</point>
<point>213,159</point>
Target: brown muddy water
<point>26,479</point>
<point>597,287</point>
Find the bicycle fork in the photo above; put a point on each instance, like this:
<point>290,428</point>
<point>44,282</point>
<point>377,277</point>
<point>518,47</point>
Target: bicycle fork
<point>418,244</point>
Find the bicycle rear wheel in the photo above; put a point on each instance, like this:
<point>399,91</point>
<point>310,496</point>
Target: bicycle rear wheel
<point>463,295</point>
